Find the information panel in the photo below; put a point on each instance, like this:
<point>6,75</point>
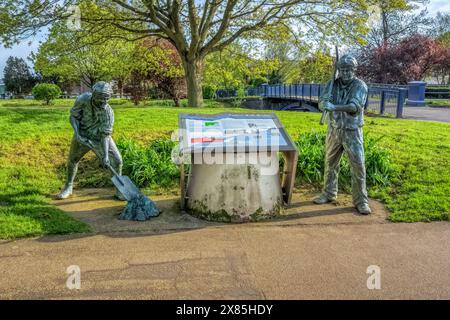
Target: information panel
<point>233,132</point>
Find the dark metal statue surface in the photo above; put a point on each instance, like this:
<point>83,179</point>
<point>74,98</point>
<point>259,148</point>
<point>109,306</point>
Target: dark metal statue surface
<point>92,120</point>
<point>345,109</point>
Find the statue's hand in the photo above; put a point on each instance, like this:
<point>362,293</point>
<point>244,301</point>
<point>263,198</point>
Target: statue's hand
<point>105,162</point>
<point>85,141</point>
<point>329,106</point>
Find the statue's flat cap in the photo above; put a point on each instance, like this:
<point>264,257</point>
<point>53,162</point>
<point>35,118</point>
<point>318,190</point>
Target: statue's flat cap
<point>102,87</point>
<point>348,60</point>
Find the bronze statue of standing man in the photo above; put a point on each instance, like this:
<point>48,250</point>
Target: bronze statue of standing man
<point>92,120</point>
<point>345,109</point>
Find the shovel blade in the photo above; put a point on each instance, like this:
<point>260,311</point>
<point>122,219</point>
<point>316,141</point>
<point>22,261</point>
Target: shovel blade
<point>125,186</point>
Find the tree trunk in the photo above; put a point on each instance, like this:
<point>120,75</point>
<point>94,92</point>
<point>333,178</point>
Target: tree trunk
<point>385,27</point>
<point>120,87</point>
<point>194,74</point>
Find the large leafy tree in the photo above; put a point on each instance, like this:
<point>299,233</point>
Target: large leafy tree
<point>440,27</point>
<point>398,19</point>
<point>195,28</point>
<point>157,63</point>
<point>283,46</point>
<point>442,70</point>
<point>316,68</point>
<point>234,67</point>
<point>17,76</point>
<point>68,56</point>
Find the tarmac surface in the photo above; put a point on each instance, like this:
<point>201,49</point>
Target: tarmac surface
<point>427,113</point>
<point>312,252</point>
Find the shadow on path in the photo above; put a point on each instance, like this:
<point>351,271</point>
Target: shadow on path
<point>99,209</point>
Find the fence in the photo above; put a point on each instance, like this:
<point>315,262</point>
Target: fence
<point>381,99</point>
<point>309,92</point>
<point>386,101</point>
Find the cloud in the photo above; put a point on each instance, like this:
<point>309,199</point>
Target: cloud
<point>436,6</point>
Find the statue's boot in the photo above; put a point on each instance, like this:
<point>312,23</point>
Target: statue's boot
<point>323,198</point>
<point>363,209</point>
<point>65,192</point>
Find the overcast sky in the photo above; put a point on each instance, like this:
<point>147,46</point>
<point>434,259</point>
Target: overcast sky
<point>24,49</point>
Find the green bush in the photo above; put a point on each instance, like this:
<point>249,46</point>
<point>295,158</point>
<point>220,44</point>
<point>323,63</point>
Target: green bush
<point>46,92</point>
<point>311,162</point>
<point>152,166</point>
<point>209,92</point>
<point>149,165</point>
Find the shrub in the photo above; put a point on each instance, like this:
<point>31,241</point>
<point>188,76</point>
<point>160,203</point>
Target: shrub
<point>46,92</point>
<point>311,162</point>
<point>209,92</point>
<point>149,165</point>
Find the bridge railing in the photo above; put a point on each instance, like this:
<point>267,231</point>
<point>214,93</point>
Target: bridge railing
<point>386,101</point>
<point>304,91</point>
<point>381,99</point>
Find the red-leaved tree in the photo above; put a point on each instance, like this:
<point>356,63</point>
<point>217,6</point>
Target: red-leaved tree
<point>441,70</point>
<point>411,59</point>
<point>158,66</point>
<point>167,76</point>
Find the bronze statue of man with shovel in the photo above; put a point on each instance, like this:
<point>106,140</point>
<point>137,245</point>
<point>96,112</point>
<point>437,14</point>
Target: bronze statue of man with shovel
<point>343,101</point>
<point>92,120</point>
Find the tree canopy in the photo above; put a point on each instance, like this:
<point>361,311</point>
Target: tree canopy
<point>71,57</point>
<point>194,28</point>
<point>17,76</point>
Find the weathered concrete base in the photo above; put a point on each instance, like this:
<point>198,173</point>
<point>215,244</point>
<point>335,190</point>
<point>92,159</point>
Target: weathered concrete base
<point>235,192</point>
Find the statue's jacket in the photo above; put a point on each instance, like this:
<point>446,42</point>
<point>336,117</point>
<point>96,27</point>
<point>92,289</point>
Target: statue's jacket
<point>95,122</point>
<point>354,93</point>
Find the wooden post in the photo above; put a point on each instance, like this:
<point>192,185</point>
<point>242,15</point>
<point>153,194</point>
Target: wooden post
<point>289,171</point>
<point>182,187</point>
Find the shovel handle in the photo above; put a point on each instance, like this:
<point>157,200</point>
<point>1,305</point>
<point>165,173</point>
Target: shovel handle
<point>322,119</point>
<point>112,170</point>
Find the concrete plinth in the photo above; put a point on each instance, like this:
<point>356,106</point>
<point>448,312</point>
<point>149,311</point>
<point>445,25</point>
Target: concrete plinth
<point>239,192</point>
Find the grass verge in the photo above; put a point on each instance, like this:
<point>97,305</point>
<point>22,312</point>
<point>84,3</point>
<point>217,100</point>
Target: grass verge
<point>34,143</point>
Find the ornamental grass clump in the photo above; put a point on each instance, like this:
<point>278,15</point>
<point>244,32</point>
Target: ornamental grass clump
<point>311,162</point>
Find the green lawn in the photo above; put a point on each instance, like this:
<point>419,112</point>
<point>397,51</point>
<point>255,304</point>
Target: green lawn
<point>34,143</point>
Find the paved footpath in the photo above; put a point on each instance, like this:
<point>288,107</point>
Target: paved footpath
<point>321,254</point>
<point>427,113</point>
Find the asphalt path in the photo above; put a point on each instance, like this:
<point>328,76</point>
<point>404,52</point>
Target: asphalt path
<point>427,113</point>
<point>325,253</point>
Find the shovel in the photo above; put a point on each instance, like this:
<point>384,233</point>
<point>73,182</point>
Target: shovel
<point>124,184</point>
<point>139,207</point>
